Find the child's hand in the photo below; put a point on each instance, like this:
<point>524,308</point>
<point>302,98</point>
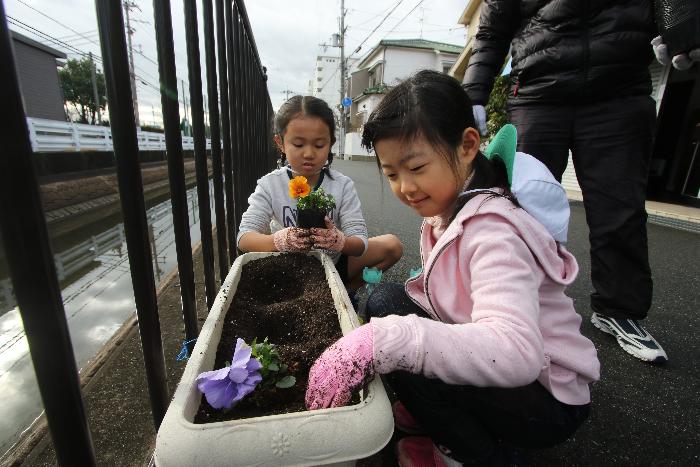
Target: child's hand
<point>680,61</point>
<point>292,239</point>
<point>329,238</point>
<point>341,369</point>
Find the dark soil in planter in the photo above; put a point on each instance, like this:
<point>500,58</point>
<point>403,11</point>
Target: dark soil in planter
<point>308,218</point>
<point>287,299</point>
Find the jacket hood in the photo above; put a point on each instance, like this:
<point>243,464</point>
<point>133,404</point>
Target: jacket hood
<point>556,261</point>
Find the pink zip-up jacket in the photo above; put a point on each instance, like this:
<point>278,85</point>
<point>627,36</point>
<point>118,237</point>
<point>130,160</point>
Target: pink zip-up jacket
<point>494,284</point>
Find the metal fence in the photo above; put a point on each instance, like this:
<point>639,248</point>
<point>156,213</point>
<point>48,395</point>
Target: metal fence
<point>56,136</point>
<point>246,154</point>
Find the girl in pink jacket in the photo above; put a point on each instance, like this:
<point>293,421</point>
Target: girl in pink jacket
<point>483,348</point>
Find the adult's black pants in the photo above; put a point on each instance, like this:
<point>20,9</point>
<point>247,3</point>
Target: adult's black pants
<point>473,423</point>
<point>611,145</point>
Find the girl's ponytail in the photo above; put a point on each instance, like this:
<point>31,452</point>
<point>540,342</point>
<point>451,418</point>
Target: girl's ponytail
<point>488,173</point>
<point>282,160</point>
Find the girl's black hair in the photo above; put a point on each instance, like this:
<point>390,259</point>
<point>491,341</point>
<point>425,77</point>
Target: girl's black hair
<point>305,105</point>
<point>434,106</point>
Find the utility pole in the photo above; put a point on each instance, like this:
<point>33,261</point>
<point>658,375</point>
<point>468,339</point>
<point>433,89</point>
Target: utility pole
<point>128,5</point>
<point>94,89</point>
<point>341,145</point>
<point>422,18</point>
<point>184,99</point>
<point>339,41</point>
<point>287,93</point>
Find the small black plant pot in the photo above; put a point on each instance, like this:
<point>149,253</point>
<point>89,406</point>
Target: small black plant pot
<point>308,218</point>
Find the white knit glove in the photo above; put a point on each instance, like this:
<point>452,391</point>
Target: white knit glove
<point>480,118</point>
<point>680,61</point>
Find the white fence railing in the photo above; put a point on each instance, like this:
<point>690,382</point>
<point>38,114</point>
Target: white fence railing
<point>56,136</point>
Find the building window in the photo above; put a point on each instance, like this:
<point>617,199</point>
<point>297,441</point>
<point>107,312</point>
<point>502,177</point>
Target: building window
<point>446,66</point>
<point>319,68</point>
<point>319,89</point>
<point>319,79</point>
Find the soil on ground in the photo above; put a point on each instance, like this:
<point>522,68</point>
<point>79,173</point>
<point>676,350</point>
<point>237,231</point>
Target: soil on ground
<point>287,299</point>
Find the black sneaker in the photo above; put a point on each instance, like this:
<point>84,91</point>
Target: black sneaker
<point>632,337</point>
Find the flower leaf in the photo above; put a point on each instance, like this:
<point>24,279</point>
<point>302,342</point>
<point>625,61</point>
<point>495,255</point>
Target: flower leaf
<point>273,367</point>
<point>286,382</point>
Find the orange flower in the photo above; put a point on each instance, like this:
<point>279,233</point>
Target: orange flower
<point>299,187</point>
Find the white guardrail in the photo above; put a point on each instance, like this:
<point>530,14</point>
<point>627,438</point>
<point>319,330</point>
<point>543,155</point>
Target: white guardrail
<point>56,136</point>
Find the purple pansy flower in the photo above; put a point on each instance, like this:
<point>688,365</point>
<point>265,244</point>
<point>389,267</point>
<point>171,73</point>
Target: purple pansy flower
<point>224,387</point>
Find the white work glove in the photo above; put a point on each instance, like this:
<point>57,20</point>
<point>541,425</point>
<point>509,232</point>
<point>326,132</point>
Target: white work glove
<point>680,61</point>
<point>480,118</point>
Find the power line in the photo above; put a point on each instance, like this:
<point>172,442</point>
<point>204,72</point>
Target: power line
<point>370,34</point>
<point>85,36</point>
<point>402,19</point>
<point>329,79</point>
<point>73,50</point>
<point>44,35</point>
<point>90,32</point>
<point>56,21</point>
<point>57,42</point>
<point>372,18</point>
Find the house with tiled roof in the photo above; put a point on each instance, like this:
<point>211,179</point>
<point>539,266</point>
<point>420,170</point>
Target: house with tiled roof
<point>390,61</point>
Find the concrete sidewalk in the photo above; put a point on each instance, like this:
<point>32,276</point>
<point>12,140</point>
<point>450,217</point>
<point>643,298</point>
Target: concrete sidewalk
<point>669,215</point>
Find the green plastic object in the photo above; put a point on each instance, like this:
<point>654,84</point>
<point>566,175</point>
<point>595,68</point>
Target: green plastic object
<point>415,273</point>
<point>371,275</point>
<point>503,146</point>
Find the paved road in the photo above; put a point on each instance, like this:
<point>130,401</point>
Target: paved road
<point>642,414</point>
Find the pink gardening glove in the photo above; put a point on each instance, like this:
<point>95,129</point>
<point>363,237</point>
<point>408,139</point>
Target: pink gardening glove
<point>341,369</point>
<point>292,239</point>
<point>330,238</point>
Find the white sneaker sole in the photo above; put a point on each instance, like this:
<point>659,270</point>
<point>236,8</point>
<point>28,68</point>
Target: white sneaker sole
<point>648,356</point>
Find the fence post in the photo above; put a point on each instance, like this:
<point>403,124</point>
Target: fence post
<point>75,136</point>
<point>32,134</point>
<point>210,55</point>
<point>226,128</point>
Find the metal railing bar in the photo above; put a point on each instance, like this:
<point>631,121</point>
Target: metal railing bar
<point>210,57</point>
<point>163,23</point>
<point>200,155</point>
<point>33,273</point>
<point>226,128</point>
<point>234,109</point>
<point>244,93</point>
<point>243,14</point>
<point>253,78</point>
<point>121,116</point>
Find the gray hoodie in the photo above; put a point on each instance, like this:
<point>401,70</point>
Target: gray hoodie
<point>270,208</point>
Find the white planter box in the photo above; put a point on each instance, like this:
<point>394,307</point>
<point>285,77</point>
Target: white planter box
<point>319,437</point>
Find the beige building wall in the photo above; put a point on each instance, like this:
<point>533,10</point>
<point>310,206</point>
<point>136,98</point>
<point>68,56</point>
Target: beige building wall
<point>470,20</point>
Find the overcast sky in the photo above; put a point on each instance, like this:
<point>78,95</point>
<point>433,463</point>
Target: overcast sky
<point>288,35</point>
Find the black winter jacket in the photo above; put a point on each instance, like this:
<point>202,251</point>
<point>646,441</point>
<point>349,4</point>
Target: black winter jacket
<point>563,51</point>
